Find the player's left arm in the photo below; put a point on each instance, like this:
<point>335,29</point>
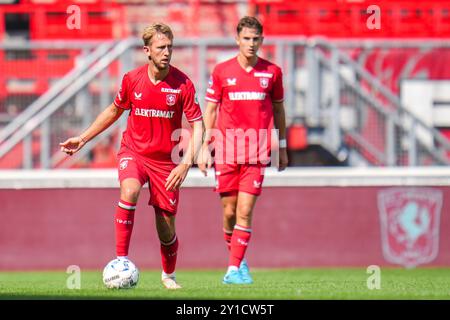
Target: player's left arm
<point>193,113</point>
<point>179,173</point>
<point>195,143</point>
<point>279,119</point>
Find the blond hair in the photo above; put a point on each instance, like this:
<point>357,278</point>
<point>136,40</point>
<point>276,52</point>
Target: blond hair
<point>153,29</point>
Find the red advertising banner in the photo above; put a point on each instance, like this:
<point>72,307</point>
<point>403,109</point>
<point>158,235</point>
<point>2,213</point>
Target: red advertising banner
<point>293,227</point>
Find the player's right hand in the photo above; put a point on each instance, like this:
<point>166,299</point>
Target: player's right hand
<point>204,160</point>
<point>72,145</point>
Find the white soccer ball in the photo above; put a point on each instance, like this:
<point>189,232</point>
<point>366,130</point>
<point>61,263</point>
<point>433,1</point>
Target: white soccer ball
<point>120,274</point>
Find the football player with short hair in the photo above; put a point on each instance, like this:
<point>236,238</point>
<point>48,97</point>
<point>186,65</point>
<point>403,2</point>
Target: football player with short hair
<point>245,94</point>
<point>156,96</point>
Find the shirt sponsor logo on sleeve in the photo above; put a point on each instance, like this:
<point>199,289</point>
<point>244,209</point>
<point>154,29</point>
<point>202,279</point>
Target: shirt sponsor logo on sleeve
<point>118,93</point>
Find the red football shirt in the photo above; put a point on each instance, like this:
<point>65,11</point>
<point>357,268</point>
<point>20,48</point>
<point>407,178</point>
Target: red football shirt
<point>156,111</point>
<point>245,100</point>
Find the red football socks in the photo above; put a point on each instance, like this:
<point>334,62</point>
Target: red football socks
<point>124,220</point>
<point>227,236</point>
<point>169,255</point>
<point>239,242</point>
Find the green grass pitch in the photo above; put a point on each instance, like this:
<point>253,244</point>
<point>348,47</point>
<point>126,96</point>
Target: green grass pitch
<point>280,284</point>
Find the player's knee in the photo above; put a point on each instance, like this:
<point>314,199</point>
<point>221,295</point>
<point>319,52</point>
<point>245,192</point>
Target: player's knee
<point>229,206</point>
<point>244,211</point>
<point>129,194</point>
<point>244,221</point>
<point>229,215</point>
<point>166,235</point>
<point>229,210</point>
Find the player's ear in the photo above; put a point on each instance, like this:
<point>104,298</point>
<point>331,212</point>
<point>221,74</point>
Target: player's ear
<point>147,51</point>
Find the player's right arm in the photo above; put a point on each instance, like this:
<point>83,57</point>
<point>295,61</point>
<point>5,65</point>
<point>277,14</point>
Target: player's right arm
<point>100,124</point>
<point>209,118</point>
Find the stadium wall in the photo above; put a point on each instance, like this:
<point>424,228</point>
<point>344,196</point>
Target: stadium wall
<point>304,218</point>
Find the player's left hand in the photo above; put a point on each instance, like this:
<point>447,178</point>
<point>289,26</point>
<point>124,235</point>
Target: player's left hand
<point>205,160</point>
<point>176,177</point>
<point>283,159</point>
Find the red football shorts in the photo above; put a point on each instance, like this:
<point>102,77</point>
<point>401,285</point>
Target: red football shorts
<point>239,177</point>
<point>153,172</point>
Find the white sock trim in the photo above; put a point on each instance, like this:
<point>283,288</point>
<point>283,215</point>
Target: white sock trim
<point>166,244</point>
<point>126,206</point>
<point>242,228</point>
<point>232,268</point>
<point>168,275</point>
<point>227,231</point>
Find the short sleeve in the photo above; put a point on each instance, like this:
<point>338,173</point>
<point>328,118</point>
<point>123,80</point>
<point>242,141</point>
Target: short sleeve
<point>277,94</point>
<point>214,91</point>
<point>122,99</point>
<point>191,108</point>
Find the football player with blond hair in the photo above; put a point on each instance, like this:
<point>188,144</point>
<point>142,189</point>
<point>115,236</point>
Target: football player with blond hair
<point>155,96</point>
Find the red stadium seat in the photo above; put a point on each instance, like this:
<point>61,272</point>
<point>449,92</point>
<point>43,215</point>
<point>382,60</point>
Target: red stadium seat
<point>297,137</point>
<point>348,19</point>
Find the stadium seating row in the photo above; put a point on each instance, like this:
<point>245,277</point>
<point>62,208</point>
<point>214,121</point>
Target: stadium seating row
<point>348,18</point>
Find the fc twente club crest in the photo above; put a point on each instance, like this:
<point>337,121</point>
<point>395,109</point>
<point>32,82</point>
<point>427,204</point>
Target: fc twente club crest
<point>410,224</point>
<point>264,82</point>
<point>170,99</point>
